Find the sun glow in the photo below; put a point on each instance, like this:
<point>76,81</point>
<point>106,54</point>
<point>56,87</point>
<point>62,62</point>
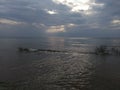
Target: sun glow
<point>59,28</point>
<point>55,29</point>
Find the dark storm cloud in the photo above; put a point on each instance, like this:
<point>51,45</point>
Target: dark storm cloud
<point>74,18</point>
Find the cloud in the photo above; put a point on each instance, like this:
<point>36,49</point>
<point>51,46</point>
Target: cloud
<point>116,22</point>
<point>80,6</point>
<point>59,28</point>
<point>56,29</point>
<point>10,22</point>
<point>51,12</point>
<point>38,25</point>
<point>71,25</point>
<point>60,16</point>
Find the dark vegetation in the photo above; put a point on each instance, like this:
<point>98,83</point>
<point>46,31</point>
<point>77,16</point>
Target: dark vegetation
<point>104,50</point>
<point>101,50</point>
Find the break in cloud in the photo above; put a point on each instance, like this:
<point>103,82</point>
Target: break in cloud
<point>59,28</point>
<point>80,6</point>
<point>64,17</point>
<point>50,11</point>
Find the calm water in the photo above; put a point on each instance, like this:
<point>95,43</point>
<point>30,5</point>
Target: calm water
<point>56,70</point>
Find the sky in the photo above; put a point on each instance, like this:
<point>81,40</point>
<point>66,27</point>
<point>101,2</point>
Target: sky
<point>79,18</point>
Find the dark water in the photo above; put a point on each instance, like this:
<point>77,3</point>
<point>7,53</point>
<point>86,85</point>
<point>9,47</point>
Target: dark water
<point>70,70</point>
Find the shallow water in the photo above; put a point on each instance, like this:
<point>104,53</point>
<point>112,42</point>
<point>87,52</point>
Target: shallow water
<point>70,70</point>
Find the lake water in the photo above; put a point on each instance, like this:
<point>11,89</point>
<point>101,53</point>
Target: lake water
<point>71,70</point>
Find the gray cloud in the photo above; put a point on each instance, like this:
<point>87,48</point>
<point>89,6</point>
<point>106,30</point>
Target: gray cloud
<point>102,18</point>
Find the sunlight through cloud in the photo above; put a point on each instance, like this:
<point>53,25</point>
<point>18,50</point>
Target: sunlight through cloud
<point>55,29</point>
<point>116,22</point>
<point>59,28</point>
<point>10,22</point>
<point>79,6</point>
<point>52,12</point>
